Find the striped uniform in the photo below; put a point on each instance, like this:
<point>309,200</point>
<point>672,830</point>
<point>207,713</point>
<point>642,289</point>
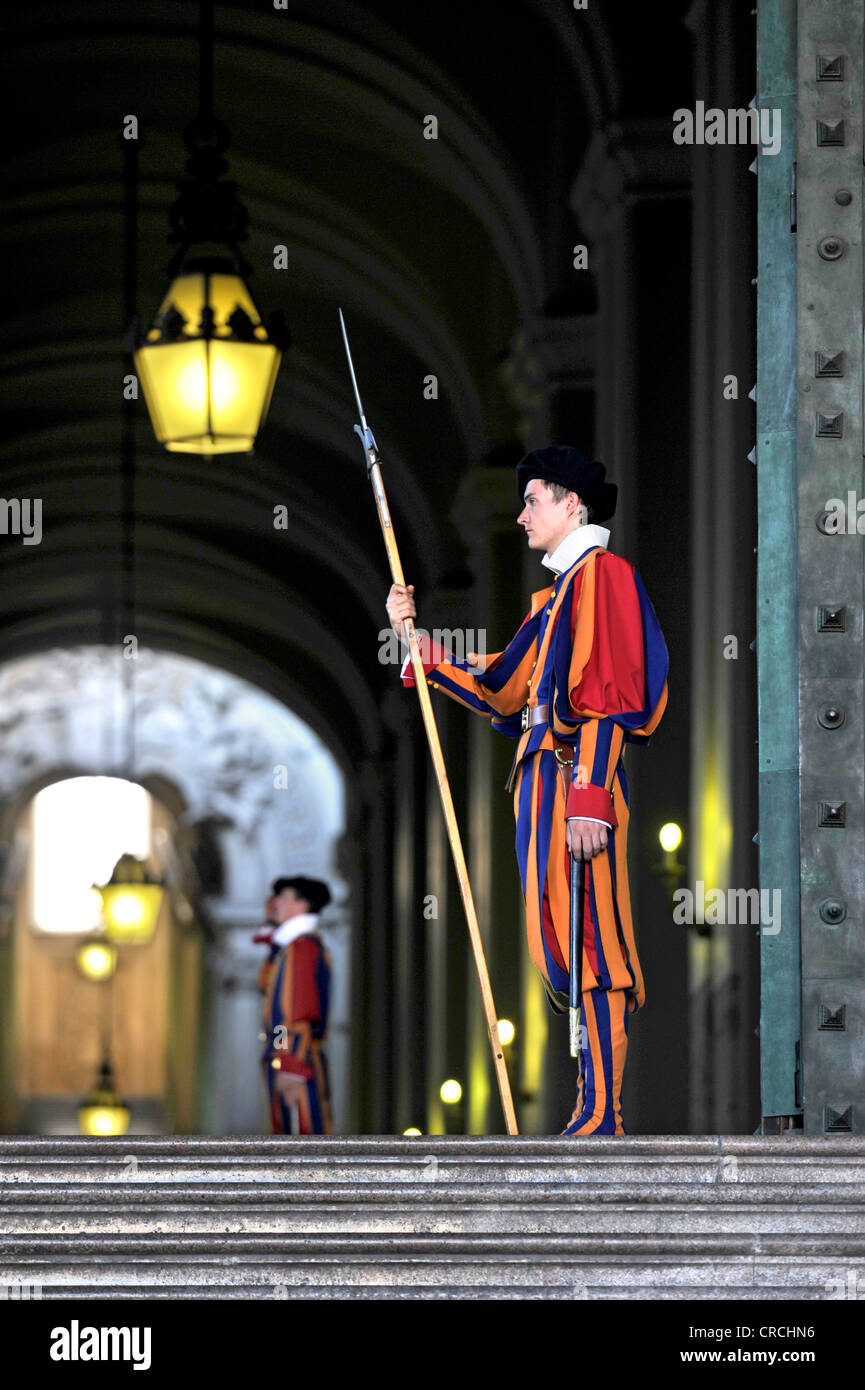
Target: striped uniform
<point>296,983</point>
<point>591,650</point>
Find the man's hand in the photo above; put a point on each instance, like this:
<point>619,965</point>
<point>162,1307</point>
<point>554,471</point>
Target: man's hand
<point>585,838</point>
<point>400,605</point>
<point>290,1088</point>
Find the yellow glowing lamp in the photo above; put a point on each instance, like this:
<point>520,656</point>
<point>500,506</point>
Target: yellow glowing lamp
<point>451,1091</point>
<point>507,1031</point>
<point>102,1111</point>
<point>131,901</point>
<point>208,365</point>
<point>96,959</point>
<point>411,1133</point>
<point>670,836</point>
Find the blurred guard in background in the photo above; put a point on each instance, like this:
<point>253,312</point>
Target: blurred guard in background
<point>296,986</point>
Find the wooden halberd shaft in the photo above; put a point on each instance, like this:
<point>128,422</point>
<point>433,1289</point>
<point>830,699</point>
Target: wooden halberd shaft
<point>447,802</point>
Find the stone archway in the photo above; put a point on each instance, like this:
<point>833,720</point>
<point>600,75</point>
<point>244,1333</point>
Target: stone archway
<point>253,793</point>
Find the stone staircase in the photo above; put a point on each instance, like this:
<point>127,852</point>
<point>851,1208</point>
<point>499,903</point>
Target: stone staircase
<point>380,1217</point>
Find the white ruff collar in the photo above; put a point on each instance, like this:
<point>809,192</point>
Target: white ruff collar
<point>575,544</point>
<point>293,927</point>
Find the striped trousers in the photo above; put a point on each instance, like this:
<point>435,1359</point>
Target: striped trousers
<point>603,1049</point>
<point>611,975</point>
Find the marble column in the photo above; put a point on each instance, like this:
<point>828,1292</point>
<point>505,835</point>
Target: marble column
<point>631,199</point>
<point>723,963</point>
<point>485,513</point>
<point>371,821</point>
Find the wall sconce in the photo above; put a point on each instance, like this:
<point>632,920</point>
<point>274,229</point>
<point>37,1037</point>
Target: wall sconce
<point>507,1032</point>
<point>669,868</point>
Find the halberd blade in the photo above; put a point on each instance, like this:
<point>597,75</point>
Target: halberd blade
<point>367,438</point>
<point>351,370</point>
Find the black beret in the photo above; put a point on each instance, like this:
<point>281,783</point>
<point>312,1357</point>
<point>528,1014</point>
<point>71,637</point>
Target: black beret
<point>316,893</point>
<point>561,463</point>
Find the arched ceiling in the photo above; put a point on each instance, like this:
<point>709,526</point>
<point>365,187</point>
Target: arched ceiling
<point>436,250</point>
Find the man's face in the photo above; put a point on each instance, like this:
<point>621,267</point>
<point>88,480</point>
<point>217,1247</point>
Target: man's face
<point>546,520</point>
<point>287,904</point>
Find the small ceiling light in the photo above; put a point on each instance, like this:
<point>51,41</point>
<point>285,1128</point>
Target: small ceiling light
<point>451,1091</point>
<point>103,1111</point>
<point>131,901</point>
<point>507,1031</point>
<point>96,959</point>
<point>670,836</point>
<point>411,1133</point>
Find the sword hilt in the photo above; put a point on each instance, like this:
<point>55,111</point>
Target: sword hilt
<point>574,1030</point>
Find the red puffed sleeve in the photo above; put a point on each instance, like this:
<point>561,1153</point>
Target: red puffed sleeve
<point>617,678</point>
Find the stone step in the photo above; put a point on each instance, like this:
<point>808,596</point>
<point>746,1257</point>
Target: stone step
<point>333,1292</point>
<point>374,1217</point>
<point>600,1266</point>
<point>454,1213</point>
<point>648,1161</point>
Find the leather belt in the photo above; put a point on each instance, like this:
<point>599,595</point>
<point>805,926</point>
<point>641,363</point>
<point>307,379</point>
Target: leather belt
<point>534,714</point>
<point>539,714</point>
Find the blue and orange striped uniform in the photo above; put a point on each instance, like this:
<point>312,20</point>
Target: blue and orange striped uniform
<point>591,650</point>
<point>296,984</point>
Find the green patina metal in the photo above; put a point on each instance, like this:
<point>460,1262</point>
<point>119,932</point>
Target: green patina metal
<point>830,287</point>
<point>777,629</point>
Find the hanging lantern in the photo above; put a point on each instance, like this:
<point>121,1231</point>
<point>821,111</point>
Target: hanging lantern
<point>131,901</point>
<point>96,959</point>
<point>103,1111</point>
<point>208,363</point>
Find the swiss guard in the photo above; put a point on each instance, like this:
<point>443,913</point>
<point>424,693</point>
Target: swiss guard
<point>585,675</point>
<point>295,982</point>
